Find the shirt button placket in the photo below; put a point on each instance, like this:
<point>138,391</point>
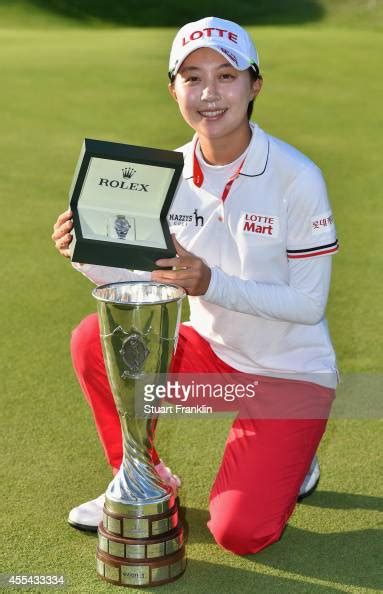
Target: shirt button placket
<point>221,213</point>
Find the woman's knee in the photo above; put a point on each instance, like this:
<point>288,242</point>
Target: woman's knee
<point>240,532</point>
<point>85,337</point>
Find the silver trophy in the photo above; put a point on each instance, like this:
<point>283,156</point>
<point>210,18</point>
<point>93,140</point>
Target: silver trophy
<point>140,540</point>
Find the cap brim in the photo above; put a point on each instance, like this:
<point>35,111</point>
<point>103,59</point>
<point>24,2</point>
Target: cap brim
<point>235,58</point>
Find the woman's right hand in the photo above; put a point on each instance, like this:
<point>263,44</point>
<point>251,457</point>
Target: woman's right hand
<point>61,235</point>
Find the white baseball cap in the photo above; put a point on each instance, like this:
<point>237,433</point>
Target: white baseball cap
<point>225,37</point>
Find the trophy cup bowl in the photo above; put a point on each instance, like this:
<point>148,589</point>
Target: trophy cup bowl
<point>140,540</point>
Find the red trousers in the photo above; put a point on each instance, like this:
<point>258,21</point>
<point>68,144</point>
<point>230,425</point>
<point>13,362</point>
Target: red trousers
<point>265,460</point>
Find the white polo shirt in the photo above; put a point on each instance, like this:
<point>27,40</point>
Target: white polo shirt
<point>277,211</point>
<point>261,243</point>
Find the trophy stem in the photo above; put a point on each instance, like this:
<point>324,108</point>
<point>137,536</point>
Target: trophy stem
<point>137,489</point>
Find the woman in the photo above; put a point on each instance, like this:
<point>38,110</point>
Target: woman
<point>254,255</point>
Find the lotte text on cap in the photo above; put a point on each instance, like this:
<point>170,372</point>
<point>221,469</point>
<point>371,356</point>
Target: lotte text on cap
<point>225,37</point>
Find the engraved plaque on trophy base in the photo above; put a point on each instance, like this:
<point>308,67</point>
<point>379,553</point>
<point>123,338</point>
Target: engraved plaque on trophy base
<point>134,560</point>
<point>141,573</point>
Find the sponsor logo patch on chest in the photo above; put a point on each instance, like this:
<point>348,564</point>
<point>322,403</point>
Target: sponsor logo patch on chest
<point>260,225</point>
<point>184,219</point>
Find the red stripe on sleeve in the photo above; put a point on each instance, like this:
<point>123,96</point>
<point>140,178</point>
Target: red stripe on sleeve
<point>320,253</point>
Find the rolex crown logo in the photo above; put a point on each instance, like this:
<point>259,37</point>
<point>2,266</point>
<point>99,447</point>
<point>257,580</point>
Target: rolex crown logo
<point>128,172</point>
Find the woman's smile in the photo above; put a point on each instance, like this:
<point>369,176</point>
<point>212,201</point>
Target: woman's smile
<point>212,114</point>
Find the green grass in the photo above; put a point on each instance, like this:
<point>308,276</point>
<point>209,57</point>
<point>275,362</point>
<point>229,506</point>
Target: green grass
<point>360,14</point>
<point>322,93</point>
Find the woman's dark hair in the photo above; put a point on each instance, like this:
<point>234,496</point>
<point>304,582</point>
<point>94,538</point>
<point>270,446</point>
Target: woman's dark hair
<point>254,75</point>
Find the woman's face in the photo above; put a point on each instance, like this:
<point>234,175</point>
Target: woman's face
<point>212,95</point>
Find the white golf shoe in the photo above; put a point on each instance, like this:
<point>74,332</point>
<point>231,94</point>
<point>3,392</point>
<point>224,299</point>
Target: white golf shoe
<point>88,515</point>
<point>311,480</point>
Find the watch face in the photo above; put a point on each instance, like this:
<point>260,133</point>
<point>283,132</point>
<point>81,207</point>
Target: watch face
<point>120,227</point>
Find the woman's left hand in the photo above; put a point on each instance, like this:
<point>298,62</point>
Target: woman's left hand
<point>191,272</point>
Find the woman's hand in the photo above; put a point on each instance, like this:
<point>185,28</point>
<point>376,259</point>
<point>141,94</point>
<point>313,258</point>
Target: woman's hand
<point>62,233</point>
<point>191,272</point>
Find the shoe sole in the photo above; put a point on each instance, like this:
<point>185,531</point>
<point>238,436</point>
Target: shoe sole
<point>83,527</point>
<point>309,492</point>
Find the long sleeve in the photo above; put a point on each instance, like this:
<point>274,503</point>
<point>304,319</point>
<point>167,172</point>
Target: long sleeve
<point>101,275</point>
<point>303,300</point>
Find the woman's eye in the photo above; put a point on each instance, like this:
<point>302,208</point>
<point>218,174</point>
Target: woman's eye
<point>227,76</point>
<point>191,79</point>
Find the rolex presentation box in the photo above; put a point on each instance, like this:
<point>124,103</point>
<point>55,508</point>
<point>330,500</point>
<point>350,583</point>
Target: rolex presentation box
<point>120,196</point>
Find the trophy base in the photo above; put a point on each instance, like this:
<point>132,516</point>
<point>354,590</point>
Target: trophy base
<point>129,572</point>
<point>145,551</point>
